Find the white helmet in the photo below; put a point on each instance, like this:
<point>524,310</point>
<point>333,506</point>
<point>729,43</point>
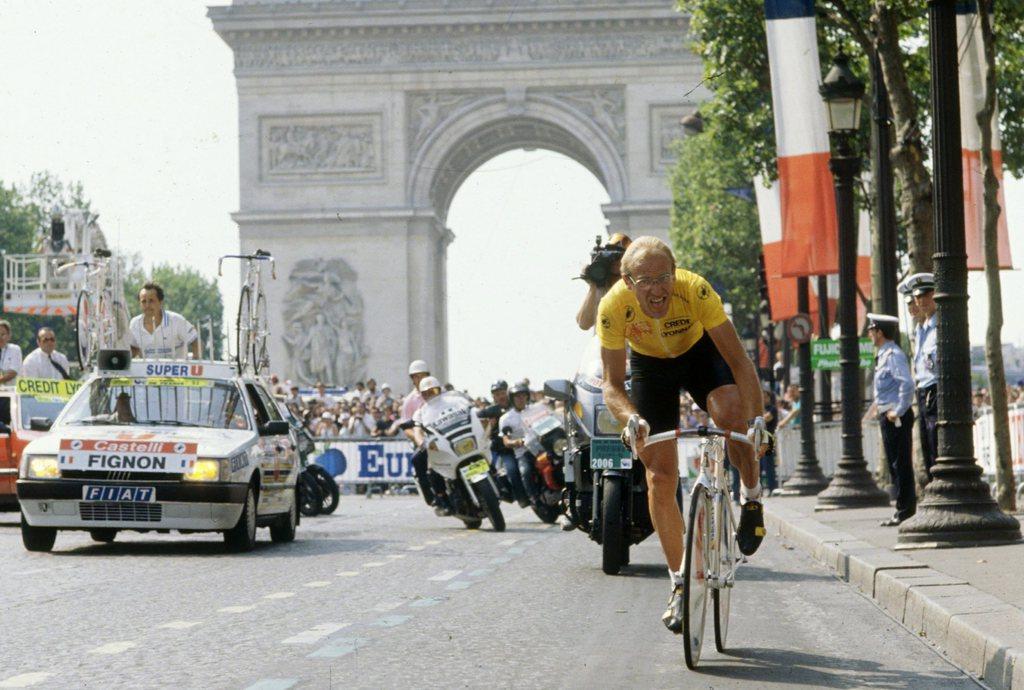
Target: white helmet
<point>418,367</point>
<point>429,382</point>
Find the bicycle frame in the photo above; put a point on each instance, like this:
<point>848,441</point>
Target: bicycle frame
<point>252,330</point>
<point>721,567</point>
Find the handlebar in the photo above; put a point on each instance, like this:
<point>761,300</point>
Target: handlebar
<point>700,431</point>
<point>259,255</point>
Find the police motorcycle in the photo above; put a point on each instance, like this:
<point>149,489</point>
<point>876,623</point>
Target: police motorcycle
<point>457,450</point>
<point>607,492</point>
<point>547,442</point>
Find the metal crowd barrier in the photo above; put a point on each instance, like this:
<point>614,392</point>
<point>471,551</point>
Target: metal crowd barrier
<point>828,444</point>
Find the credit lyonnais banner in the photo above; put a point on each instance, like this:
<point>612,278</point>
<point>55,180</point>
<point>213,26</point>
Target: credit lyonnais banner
<point>47,389</point>
<point>972,99</point>
<point>126,455</point>
<point>810,243</point>
<point>825,354</point>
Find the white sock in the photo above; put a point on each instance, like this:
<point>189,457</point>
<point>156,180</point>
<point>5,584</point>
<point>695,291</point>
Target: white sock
<point>751,494</point>
<point>677,578</point>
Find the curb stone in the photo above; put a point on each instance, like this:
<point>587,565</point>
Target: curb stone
<point>979,633</point>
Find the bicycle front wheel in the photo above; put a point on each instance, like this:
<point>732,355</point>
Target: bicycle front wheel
<point>260,331</point>
<point>243,327</point>
<point>695,584</point>
<point>83,330</point>
<point>726,565</point>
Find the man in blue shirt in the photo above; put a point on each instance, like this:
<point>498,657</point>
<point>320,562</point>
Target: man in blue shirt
<point>894,392</point>
<point>926,367</point>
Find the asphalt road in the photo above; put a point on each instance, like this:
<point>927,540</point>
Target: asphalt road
<point>384,594</point>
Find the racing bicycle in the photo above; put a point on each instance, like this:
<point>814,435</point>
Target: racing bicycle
<point>101,316</point>
<point>252,327</point>
<point>711,556</point>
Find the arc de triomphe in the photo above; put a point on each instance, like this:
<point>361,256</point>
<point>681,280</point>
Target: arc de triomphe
<point>359,119</point>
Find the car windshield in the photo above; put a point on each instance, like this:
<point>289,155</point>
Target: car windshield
<point>162,401</point>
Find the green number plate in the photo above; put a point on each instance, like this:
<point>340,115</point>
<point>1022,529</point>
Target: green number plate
<point>609,454</point>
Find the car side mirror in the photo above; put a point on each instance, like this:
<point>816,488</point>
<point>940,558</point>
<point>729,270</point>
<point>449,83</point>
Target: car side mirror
<point>277,427</point>
<point>558,389</point>
<point>39,423</point>
<point>4,429</point>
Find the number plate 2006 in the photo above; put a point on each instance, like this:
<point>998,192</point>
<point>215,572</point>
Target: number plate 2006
<point>609,454</point>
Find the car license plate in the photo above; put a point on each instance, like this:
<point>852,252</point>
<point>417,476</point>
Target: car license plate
<point>476,471</point>
<point>123,494</point>
<point>609,454</point>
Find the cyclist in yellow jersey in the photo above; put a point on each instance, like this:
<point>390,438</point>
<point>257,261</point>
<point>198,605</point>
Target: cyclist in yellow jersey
<point>680,338</point>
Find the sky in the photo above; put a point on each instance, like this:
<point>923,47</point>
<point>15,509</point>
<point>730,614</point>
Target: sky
<point>136,99</point>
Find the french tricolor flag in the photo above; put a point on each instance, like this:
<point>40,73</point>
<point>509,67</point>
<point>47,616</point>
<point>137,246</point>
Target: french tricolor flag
<point>972,99</point>
<point>806,195</point>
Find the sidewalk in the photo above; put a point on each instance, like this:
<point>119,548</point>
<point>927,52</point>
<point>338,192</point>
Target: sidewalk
<point>968,603</point>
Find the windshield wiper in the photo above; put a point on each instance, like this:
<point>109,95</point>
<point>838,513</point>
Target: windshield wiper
<point>166,422</point>
<point>97,422</point>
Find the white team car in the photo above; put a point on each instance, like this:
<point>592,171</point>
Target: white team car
<point>163,445</point>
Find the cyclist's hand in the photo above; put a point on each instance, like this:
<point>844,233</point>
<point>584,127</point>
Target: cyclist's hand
<point>634,436</point>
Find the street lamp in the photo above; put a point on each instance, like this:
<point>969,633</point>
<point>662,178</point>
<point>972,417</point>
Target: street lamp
<point>692,123</point>
<point>956,508</point>
<point>852,486</point>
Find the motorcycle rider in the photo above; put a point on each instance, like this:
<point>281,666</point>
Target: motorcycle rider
<point>502,455</point>
<point>434,397</point>
<point>513,432</point>
<point>418,371</point>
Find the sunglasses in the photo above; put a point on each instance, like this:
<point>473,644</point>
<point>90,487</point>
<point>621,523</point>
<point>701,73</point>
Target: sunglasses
<point>648,283</point>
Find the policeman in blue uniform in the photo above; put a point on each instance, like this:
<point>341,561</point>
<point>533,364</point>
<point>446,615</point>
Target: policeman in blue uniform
<point>894,395</point>
<point>926,367</point>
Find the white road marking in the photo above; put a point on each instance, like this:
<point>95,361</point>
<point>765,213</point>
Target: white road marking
<point>273,684</point>
<point>347,573</point>
<point>507,542</point>
<point>417,548</point>
<point>531,542</point>
<point>432,542</point>
<point>459,584</point>
<point>396,556</point>
<point>374,564</point>
<point>315,634</point>
<point>179,625</point>
<point>388,606</point>
<point>25,680</point>
<point>426,601</point>
<point>481,572</point>
<point>237,609</point>
<point>280,595</point>
<point>445,575</point>
<point>339,647</point>
<point>317,583</point>
<point>501,559</point>
<point>516,550</point>
<point>114,647</point>
<point>390,621</point>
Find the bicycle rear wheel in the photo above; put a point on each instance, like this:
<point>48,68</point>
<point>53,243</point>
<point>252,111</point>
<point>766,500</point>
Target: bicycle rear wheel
<point>260,330</point>
<point>243,328</point>
<point>695,585</point>
<point>726,564</point>
<point>83,330</point>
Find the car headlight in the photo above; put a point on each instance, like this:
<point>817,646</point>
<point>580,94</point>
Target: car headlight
<point>559,446</point>
<point>465,445</point>
<point>606,423</point>
<point>43,467</point>
<point>204,471</point>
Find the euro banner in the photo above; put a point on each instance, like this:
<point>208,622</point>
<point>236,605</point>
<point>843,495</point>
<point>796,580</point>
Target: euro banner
<point>47,389</point>
<point>972,100</point>
<point>809,243</point>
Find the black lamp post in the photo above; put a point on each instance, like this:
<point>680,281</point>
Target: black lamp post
<point>956,508</point>
<point>824,402</point>
<point>852,485</point>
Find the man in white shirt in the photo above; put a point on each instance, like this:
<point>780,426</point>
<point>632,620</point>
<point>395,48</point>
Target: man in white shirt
<point>159,333</point>
<point>45,362</point>
<point>10,354</point>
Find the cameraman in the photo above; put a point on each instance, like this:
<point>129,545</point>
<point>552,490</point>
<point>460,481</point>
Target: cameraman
<point>601,273</point>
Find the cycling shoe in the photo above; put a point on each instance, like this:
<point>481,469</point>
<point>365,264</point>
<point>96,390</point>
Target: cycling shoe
<point>751,530</point>
<point>673,616</point>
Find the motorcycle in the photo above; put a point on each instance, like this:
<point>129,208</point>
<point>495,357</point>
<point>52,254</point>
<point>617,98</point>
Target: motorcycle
<point>607,492</point>
<point>318,491</point>
<point>457,450</point>
<point>546,441</point>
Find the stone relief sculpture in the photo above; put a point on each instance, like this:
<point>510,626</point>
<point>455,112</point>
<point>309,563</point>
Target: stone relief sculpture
<point>341,148</point>
<point>604,105</point>
<point>324,323</point>
<point>429,109</point>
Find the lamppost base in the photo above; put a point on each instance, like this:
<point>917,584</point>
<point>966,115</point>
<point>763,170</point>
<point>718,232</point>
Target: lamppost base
<point>958,514</point>
<point>852,487</point>
<point>807,480</point>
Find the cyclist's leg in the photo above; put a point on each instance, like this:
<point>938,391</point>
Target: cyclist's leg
<point>655,393</point>
<point>726,409</point>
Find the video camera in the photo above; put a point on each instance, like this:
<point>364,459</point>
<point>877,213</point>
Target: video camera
<point>602,257</point>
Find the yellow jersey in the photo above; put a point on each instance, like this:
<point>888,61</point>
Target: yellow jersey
<point>694,307</point>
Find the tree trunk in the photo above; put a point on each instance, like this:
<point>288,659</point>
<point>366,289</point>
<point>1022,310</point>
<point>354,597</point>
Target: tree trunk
<point>908,152</point>
<point>993,338</point>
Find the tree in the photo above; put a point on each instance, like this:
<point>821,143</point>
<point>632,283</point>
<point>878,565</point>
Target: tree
<point>712,227</point>
<point>187,292</point>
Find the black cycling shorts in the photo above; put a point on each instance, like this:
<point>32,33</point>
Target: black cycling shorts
<point>655,382</point>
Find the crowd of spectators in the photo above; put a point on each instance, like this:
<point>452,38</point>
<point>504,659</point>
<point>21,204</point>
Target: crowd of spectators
<point>981,400</point>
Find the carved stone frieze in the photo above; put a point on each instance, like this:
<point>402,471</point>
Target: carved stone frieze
<point>605,106</point>
<point>321,146</point>
<point>324,323</point>
<point>665,132</point>
<point>426,51</point>
<point>427,110</point>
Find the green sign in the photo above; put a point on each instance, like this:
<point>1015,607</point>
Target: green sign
<point>825,354</point>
